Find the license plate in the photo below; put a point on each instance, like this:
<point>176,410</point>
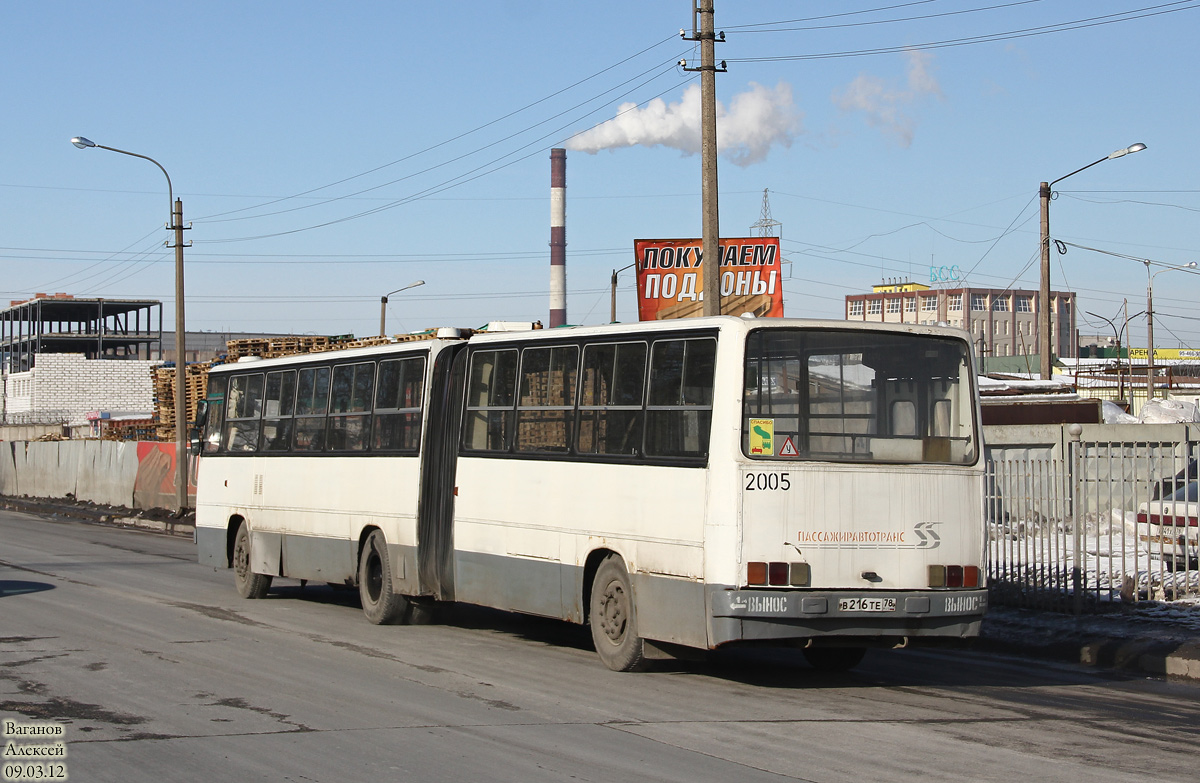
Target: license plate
<point>866,604</point>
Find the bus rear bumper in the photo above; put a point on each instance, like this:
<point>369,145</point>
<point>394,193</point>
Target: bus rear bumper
<point>764,615</point>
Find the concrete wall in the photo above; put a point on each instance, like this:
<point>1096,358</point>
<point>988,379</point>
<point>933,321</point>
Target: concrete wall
<point>1031,475</point>
<point>115,473</point>
<point>29,431</point>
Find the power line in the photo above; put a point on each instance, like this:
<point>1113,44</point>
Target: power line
<point>829,16</point>
<point>660,67</point>
<point>874,21</point>
<point>1059,27</point>
<point>454,138</point>
<point>461,179</point>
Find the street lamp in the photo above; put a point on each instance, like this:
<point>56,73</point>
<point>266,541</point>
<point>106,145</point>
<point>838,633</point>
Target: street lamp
<point>1117,337</point>
<point>383,305</point>
<point>175,209</point>
<point>612,310</point>
<point>1044,342</point>
<point>1150,318</point>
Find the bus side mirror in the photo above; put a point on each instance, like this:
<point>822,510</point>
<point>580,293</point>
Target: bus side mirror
<point>201,414</point>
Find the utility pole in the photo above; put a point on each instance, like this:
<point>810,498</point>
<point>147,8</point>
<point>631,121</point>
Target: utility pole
<point>711,232</point>
<point>181,454</point>
<point>1045,334</point>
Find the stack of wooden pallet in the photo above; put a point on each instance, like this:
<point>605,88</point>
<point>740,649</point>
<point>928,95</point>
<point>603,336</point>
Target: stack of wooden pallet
<point>274,347</point>
<point>342,344</point>
<point>195,387</point>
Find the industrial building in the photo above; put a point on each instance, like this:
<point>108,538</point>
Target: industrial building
<point>1003,322</point>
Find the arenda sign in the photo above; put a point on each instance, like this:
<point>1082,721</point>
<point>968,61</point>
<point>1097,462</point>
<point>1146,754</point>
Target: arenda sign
<point>671,284</point>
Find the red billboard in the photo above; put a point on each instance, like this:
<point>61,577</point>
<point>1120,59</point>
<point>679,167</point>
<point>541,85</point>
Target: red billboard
<point>671,284</point>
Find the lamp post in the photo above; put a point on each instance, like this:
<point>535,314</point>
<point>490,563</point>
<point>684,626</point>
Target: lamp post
<point>1150,318</point>
<point>1117,336</point>
<point>383,300</point>
<point>175,209</point>
<point>1044,193</point>
<point>612,309</point>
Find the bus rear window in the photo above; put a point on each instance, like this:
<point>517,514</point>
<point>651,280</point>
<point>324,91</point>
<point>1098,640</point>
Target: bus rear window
<point>862,396</point>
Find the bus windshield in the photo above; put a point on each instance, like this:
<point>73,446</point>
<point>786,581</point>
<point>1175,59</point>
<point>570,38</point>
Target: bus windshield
<point>849,395</point>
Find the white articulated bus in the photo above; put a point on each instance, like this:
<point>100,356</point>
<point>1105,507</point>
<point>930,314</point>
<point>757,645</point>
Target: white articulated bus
<point>687,483</point>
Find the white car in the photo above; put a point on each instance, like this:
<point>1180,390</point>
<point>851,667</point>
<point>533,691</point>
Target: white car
<point>1168,528</point>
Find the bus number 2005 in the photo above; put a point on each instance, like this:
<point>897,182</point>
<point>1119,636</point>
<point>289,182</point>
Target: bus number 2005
<point>768,481</point>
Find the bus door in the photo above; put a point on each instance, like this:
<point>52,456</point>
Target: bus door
<point>435,513</point>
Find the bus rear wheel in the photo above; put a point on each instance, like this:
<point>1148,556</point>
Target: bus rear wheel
<point>380,602</point>
<point>249,584</point>
<point>613,618</point>
<point>834,659</point>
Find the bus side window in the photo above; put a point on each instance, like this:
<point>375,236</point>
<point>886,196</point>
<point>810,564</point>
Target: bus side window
<point>491,388</point>
<point>350,406</point>
<point>398,396</point>
<point>280,404</point>
<point>612,391</point>
<point>312,401</point>
<point>546,408</point>
<point>244,405</point>
<point>679,412</point>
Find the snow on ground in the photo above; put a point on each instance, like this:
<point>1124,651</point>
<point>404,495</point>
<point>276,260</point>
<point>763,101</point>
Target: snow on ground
<point>1127,592</point>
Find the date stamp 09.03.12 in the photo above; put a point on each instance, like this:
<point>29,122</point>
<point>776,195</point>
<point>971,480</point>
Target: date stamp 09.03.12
<point>33,750</point>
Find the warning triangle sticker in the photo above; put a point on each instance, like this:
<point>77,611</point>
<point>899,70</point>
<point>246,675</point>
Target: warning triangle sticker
<point>788,449</point>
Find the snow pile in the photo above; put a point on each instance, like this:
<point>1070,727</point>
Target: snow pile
<point>1115,414</point>
<point>1168,412</point>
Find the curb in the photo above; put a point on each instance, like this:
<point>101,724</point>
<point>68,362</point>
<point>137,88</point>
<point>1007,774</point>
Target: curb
<point>100,515</point>
<point>1174,655</point>
<point>153,525</point>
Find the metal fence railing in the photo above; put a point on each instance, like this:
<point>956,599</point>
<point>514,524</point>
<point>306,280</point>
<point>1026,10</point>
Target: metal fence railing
<point>1074,529</point>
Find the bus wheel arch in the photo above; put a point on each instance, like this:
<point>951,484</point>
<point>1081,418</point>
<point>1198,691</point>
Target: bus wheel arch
<point>231,531</point>
<point>612,616</point>
<point>248,583</point>
<point>381,604</point>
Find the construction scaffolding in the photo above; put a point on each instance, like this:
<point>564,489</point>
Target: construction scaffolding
<point>96,328</point>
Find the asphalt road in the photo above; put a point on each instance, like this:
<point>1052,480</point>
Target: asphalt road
<point>159,671</point>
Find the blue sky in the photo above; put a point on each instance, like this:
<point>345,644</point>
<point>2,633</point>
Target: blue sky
<point>329,153</point>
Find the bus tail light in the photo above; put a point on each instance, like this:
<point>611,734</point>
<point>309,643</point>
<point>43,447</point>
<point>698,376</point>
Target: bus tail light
<point>953,576</point>
<point>778,574</point>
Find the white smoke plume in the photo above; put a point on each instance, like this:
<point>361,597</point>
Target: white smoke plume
<point>887,108</point>
<point>755,121</point>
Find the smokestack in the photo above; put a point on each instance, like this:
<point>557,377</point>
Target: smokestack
<point>558,237</point>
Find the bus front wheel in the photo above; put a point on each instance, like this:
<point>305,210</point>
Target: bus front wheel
<point>380,602</point>
<point>249,584</point>
<point>613,618</point>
